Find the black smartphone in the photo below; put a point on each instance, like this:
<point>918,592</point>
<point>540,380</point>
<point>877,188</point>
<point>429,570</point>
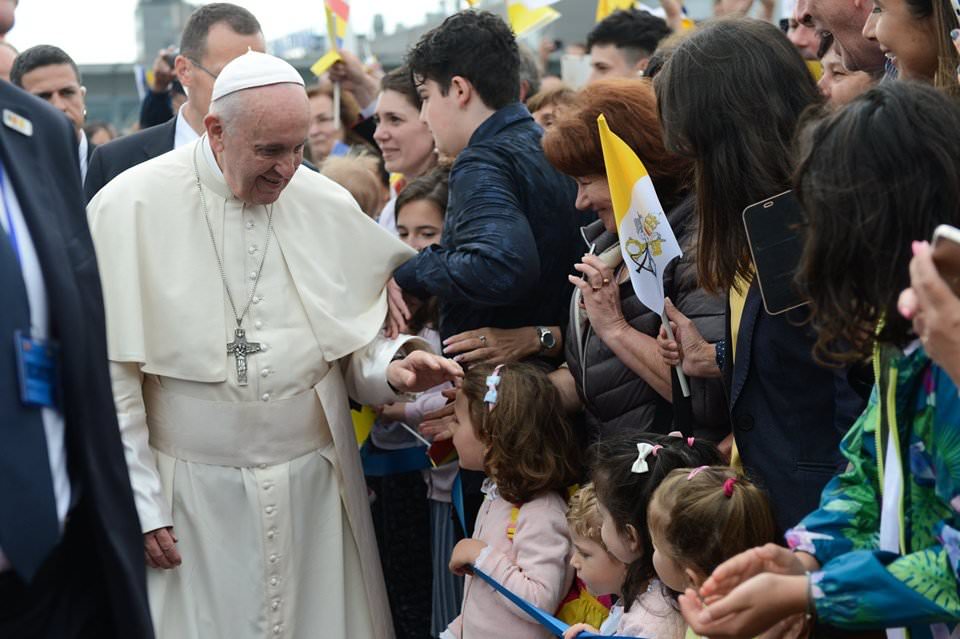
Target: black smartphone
<point>775,228</point>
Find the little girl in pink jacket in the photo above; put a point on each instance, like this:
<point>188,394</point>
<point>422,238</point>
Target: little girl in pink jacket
<point>511,425</point>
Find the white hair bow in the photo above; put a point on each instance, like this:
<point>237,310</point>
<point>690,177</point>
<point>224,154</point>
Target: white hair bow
<point>643,451</point>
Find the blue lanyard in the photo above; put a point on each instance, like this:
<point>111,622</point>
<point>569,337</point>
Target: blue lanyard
<point>548,621</point>
<point>12,232</point>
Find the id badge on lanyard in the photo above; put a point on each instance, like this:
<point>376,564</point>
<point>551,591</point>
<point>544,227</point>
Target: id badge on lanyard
<point>37,359</point>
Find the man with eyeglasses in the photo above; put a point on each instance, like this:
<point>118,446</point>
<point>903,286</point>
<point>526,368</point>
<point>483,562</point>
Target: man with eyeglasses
<point>215,34</point>
<point>48,73</point>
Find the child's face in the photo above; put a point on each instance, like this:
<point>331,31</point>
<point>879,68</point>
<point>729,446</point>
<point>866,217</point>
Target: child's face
<point>470,449</point>
<point>625,547</point>
<point>602,573</point>
<point>669,569</point>
<point>419,224</point>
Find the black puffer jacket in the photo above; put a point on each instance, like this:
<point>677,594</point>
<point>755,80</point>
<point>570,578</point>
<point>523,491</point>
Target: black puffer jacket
<point>615,398</point>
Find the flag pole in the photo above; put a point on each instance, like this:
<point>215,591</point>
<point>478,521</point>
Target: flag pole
<point>332,37</point>
<point>684,386</point>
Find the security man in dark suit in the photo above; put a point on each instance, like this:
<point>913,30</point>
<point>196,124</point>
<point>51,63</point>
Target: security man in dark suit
<point>48,73</point>
<point>71,552</point>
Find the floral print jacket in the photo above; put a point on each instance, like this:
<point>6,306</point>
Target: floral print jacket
<point>860,586</point>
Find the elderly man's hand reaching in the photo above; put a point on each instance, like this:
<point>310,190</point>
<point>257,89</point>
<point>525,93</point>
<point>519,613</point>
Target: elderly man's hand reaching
<point>421,370</point>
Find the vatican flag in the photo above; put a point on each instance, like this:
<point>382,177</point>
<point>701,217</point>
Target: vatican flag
<point>647,241</point>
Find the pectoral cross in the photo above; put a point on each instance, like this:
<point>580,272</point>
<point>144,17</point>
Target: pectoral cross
<point>240,348</point>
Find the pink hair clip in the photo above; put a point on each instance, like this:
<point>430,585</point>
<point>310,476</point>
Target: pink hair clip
<point>696,471</point>
<point>690,441</point>
<point>728,487</point>
<point>655,449</point>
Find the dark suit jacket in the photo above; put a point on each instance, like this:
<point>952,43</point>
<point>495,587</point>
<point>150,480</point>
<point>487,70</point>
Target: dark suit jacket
<point>788,412</point>
<point>116,156</point>
<point>90,149</point>
<point>45,174</point>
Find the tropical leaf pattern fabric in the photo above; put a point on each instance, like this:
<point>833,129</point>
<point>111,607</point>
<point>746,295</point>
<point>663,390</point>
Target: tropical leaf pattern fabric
<point>859,586</point>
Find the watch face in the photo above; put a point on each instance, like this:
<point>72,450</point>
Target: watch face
<point>547,339</point>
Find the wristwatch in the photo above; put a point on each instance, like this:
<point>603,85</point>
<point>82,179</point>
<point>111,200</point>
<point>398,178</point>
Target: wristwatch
<point>547,339</point>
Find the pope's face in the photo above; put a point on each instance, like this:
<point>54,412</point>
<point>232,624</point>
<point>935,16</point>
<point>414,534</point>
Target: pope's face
<point>259,145</point>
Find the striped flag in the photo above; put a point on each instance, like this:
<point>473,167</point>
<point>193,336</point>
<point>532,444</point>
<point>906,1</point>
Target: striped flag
<point>338,15</point>
<point>606,7</point>
<point>528,15</point>
<point>647,241</point>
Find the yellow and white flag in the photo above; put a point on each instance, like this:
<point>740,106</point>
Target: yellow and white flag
<point>646,238</point>
<point>528,15</point>
<point>606,7</point>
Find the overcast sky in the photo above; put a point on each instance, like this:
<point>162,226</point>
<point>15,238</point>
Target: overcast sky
<point>103,31</point>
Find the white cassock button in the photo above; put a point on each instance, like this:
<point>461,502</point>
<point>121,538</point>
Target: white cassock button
<point>256,299</point>
<point>264,347</point>
<point>264,372</point>
<point>249,225</point>
<point>267,485</point>
<point>265,397</point>
<point>271,533</point>
<point>274,581</point>
<point>273,559</point>
<point>262,466</point>
<point>252,249</point>
<point>277,629</point>
<point>253,275</point>
<point>269,510</point>
<point>276,604</point>
<point>258,324</point>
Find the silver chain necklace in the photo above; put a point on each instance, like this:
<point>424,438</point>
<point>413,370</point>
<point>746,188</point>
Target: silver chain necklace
<point>239,347</point>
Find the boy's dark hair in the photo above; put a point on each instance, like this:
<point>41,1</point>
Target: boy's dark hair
<point>193,41</point>
<point>639,32</point>
<point>476,45</point>
<point>626,495</point>
<point>42,55</point>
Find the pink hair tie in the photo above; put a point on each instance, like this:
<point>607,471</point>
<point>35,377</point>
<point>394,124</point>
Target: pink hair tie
<point>696,471</point>
<point>728,487</point>
<point>690,441</point>
<point>655,449</point>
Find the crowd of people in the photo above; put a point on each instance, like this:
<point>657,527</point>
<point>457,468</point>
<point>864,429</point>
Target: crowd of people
<point>439,385</point>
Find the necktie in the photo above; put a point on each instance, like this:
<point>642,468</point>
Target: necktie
<point>29,528</point>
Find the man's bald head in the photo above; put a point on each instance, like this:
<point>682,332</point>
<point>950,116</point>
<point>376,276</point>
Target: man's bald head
<point>844,19</point>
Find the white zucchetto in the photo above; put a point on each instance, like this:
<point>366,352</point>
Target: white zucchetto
<point>254,69</point>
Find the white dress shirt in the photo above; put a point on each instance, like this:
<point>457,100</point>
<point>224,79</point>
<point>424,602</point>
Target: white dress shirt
<point>39,329</point>
<point>184,133</point>
<point>83,148</point>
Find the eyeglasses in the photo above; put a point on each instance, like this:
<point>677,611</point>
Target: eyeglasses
<point>203,68</point>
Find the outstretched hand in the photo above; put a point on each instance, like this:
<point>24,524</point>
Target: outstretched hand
<point>420,371</point>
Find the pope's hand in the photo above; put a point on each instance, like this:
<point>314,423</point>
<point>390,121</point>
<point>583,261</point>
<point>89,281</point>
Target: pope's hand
<point>160,548</point>
<point>420,371</point>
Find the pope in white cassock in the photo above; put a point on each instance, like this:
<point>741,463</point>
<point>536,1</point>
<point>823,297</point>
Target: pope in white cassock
<point>244,298</point>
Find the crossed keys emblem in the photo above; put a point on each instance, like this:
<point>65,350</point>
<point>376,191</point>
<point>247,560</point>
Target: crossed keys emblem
<point>647,245</point>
